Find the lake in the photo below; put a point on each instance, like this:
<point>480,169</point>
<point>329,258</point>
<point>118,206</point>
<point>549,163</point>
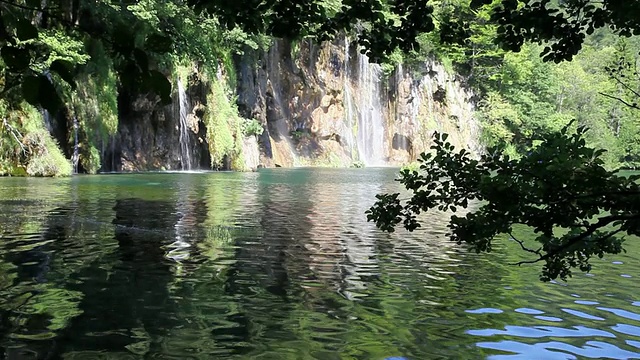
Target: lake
<point>279,264</point>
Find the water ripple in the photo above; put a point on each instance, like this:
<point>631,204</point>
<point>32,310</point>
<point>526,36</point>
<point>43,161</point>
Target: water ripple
<point>543,331</point>
<point>622,313</point>
<point>582,314</point>
<point>278,264</point>
<point>557,350</point>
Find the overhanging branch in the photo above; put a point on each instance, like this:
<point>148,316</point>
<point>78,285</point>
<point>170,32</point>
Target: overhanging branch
<point>524,247</point>
<point>590,230</point>
<point>633,106</point>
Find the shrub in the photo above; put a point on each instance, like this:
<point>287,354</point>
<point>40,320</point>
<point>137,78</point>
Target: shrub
<point>252,127</point>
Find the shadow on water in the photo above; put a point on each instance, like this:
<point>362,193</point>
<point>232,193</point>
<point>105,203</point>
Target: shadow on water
<point>278,264</point>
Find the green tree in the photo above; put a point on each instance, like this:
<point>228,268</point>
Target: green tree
<point>552,182</point>
<point>561,191</point>
<point>134,31</point>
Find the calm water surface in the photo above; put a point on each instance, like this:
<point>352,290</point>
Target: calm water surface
<point>279,264</point>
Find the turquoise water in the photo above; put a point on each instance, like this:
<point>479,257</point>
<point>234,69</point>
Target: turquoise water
<point>278,264</point>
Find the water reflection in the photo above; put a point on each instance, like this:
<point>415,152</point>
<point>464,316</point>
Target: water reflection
<point>277,264</point>
<point>124,306</point>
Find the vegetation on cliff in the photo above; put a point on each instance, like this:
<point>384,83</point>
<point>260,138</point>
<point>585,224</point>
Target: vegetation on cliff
<point>73,59</point>
<point>26,146</point>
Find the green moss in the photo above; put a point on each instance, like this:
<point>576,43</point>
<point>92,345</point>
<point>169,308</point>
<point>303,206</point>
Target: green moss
<point>91,161</point>
<point>447,63</point>
<point>252,127</point>
<point>224,130</point>
<point>26,147</point>
<point>230,70</point>
<point>237,161</point>
<point>46,158</point>
<point>95,105</point>
<point>182,71</point>
<point>391,63</point>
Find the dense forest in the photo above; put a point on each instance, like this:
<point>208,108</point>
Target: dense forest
<point>112,61</point>
<point>521,96</point>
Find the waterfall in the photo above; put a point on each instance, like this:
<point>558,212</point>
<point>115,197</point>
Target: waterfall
<point>185,139</point>
<point>350,110</point>
<point>46,118</point>
<point>370,137</point>
<point>401,126</point>
<point>414,105</point>
<point>76,152</point>
<point>280,108</point>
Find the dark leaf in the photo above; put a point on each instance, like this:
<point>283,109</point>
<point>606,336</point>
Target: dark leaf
<point>141,60</point>
<point>130,76</point>
<point>159,83</point>
<point>16,59</point>
<point>31,89</point>
<point>39,91</point>
<point>158,43</point>
<point>479,3</point>
<point>34,3</point>
<point>48,95</point>
<point>25,30</point>
<point>123,39</point>
<point>65,70</point>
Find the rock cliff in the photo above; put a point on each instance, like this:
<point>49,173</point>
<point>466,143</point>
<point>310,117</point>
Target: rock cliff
<point>319,105</point>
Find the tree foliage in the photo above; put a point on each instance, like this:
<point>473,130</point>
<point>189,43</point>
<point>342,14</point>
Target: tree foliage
<point>560,190</point>
<point>542,173</point>
<point>562,25</point>
<point>137,33</point>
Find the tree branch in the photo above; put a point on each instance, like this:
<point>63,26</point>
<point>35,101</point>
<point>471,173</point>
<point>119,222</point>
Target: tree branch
<point>13,132</point>
<point>526,262</point>
<point>524,247</point>
<point>7,89</point>
<point>633,106</point>
<point>626,86</point>
<point>603,221</point>
<point>61,19</point>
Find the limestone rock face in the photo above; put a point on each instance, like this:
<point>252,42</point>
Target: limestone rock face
<point>324,104</point>
<point>319,104</point>
<point>148,136</point>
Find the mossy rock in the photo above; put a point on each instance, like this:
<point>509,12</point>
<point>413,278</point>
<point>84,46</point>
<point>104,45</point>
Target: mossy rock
<point>18,171</point>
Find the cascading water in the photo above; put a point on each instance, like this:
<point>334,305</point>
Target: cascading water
<point>46,118</point>
<point>416,99</point>
<point>185,139</point>
<point>350,109</point>
<point>401,142</point>
<point>370,137</point>
<point>76,147</point>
